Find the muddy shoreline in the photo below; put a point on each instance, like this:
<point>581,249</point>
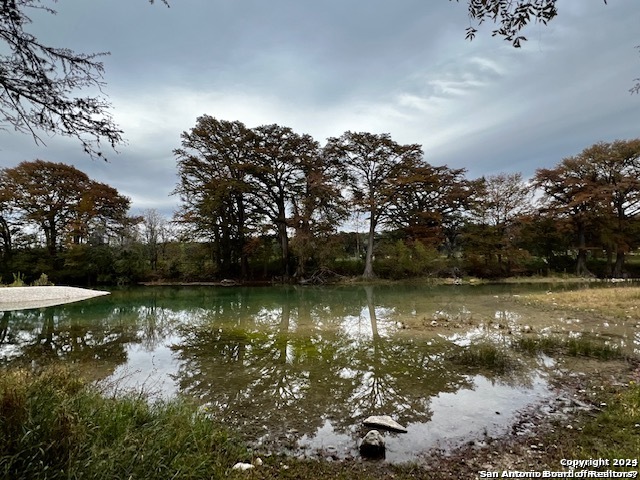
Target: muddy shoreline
<point>535,440</point>
<point>531,442</point>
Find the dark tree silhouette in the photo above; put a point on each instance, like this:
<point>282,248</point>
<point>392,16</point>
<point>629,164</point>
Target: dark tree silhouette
<point>39,85</point>
<point>510,16</point>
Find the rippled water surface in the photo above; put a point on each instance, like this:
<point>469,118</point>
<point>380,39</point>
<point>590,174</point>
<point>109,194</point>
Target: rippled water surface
<point>298,369</point>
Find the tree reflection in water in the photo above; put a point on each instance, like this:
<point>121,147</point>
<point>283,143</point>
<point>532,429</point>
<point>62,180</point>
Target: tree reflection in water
<point>276,363</point>
<point>291,366</point>
<point>54,334</point>
<point>93,335</point>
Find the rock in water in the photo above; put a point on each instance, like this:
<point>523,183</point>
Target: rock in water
<point>372,445</point>
<point>384,422</point>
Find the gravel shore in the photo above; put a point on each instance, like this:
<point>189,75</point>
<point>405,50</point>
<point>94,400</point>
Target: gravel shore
<point>20,298</point>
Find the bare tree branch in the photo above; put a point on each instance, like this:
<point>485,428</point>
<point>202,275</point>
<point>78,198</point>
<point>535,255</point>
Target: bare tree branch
<point>39,84</point>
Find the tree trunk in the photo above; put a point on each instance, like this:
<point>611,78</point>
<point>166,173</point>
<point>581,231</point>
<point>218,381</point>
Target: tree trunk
<point>618,269</point>
<point>608,272</point>
<point>244,261</point>
<point>372,312</point>
<point>284,246</point>
<point>301,264</point>
<point>281,226</point>
<point>5,233</point>
<point>304,250</point>
<point>581,263</point>
<point>217,249</point>
<point>51,237</point>
<point>283,334</point>
<point>4,325</point>
<point>368,265</point>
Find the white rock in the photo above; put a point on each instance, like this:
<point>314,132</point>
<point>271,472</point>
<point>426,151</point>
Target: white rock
<point>20,298</point>
<point>242,466</point>
<point>385,422</point>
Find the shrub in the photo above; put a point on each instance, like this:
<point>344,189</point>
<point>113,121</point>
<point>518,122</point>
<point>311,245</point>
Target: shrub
<point>42,281</point>
<point>18,280</point>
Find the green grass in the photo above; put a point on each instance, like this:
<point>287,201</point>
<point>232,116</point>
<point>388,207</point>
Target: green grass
<point>483,356</point>
<point>573,347</point>
<point>621,422</point>
<point>613,433</point>
<point>54,426</point>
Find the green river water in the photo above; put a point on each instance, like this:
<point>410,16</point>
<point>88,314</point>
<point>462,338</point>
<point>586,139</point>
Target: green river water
<point>297,369</point>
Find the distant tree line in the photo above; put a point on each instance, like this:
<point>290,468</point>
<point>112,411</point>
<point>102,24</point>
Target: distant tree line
<point>268,203</point>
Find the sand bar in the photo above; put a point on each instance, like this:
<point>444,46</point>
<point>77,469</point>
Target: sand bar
<point>21,298</point>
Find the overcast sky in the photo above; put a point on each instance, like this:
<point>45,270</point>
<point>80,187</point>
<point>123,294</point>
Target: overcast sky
<point>383,66</point>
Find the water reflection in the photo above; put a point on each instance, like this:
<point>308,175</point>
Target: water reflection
<point>293,368</point>
<point>52,333</point>
<point>300,368</point>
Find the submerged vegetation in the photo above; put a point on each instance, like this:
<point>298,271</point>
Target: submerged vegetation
<point>573,347</point>
<point>484,356</point>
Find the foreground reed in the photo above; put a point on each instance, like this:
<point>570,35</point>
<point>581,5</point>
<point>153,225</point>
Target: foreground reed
<point>53,425</point>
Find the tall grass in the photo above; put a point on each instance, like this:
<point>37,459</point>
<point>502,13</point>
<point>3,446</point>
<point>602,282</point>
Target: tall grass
<point>54,426</point>
<point>574,347</point>
<point>483,356</point>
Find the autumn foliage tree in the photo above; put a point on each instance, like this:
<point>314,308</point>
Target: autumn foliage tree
<point>618,165</point>
<point>235,181</point>
<point>569,196</point>
<point>317,207</point>
<point>214,190</point>
<point>270,187</point>
<point>429,203</point>
<point>598,191</point>
<point>501,201</point>
<point>63,202</point>
<point>277,176</point>
<point>373,164</point>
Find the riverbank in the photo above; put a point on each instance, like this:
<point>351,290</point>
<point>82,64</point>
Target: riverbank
<point>613,302</point>
<point>54,425</point>
<point>19,298</point>
<point>359,280</point>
